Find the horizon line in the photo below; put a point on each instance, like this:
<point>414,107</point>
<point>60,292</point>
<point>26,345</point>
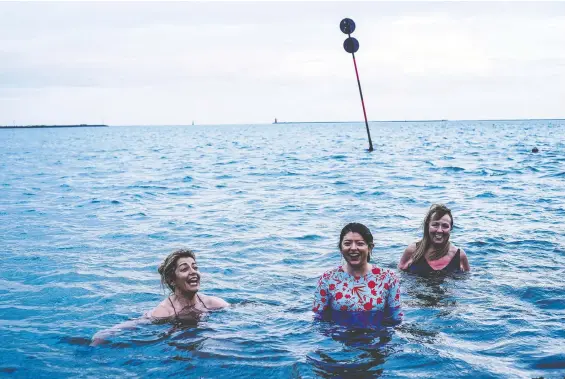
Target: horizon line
<point>285,122</point>
<point>350,122</point>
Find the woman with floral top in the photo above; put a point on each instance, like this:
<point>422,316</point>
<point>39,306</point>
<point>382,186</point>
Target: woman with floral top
<point>358,286</point>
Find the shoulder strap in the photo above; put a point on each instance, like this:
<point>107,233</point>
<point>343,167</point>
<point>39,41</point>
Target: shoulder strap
<point>174,310</point>
<point>455,262</point>
<point>201,301</point>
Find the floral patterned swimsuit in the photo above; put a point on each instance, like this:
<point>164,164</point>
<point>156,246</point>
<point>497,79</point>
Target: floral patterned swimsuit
<point>378,290</point>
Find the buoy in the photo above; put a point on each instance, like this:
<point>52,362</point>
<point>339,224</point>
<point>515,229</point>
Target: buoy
<point>535,150</point>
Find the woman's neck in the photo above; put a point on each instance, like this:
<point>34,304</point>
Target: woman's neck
<point>185,299</point>
<point>358,271</point>
<point>436,252</point>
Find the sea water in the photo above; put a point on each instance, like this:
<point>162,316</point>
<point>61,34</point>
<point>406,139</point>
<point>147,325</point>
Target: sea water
<point>87,215</point>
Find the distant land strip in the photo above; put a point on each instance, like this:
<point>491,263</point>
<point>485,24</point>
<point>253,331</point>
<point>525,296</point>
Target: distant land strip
<point>444,120</point>
<point>53,126</point>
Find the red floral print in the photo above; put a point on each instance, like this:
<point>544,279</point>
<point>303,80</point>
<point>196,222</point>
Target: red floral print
<point>378,290</point>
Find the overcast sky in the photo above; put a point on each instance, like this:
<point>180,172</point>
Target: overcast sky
<point>161,63</point>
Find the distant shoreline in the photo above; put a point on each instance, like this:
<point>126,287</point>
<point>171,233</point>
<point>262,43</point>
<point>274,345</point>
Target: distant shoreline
<point>52,126</point>
<point>445,120</point>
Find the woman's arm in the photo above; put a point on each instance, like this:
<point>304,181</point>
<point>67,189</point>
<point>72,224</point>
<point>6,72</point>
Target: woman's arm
<point>321,296</point>
<point>101,336</point>
<point>161,311</point>
<point>464,262</point>
<point>214,302</point>
<point>406,259</point>
<point>393,309</point>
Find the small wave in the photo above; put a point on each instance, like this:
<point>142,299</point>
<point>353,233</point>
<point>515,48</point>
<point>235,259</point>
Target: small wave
<point>558,175</point>
<point>140,214</point>
<point>428,188</point>
<point>453,169</point>
<point>541,200</point>
<point>338,157</point>
<point>486,195</point>
<point>309,237</point>
<point>291,208</point>
<point>147,187</point>
<point>115,236</point>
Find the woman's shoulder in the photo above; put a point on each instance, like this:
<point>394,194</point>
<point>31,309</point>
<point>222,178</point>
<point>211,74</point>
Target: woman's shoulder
<point>412,247</point>
<point>163,310</point>
<point>383,273</point>
<point>464,265</point>
<point>213,302</point>
<point>453,249</point>
<point>332,272</point>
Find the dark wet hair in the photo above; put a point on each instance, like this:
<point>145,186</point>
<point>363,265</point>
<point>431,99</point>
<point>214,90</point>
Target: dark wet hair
<point>436,211</point>
<point>362,230</point>
<point>169,265</point>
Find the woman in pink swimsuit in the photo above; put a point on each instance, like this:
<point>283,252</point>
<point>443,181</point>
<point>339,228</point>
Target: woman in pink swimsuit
<point>434,253</point>
<point>358,286</point>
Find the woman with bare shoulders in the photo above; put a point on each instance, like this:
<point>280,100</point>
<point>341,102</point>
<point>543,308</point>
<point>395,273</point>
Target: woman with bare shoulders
<point>434,252</point>
<point>180,274</point>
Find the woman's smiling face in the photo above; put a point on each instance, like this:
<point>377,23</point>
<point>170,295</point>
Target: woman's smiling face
<point>187,277</point>
<point>440,230</point>
<point>354,249</point>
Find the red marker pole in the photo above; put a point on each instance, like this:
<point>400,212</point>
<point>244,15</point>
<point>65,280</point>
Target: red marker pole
<point>351,45</point>
<point>362,103</point>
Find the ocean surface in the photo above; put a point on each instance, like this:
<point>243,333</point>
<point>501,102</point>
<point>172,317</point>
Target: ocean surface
<point>87,215</point>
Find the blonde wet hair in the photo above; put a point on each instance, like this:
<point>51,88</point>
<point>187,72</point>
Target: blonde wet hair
<point>435,212</point>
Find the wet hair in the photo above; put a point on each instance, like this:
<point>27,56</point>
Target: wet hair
<point>436,211</point>
<point>362,230</point>
<point>169,265</point>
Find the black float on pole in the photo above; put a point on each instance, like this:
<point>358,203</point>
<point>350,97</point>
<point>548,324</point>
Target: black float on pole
<point>351,45</point>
